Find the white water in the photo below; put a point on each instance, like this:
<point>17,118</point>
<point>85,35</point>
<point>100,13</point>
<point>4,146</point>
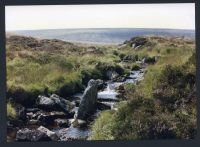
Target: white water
<point>110,93</point>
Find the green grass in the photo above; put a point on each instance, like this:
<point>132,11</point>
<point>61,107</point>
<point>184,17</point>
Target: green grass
<point>102,127</point>
<point>11,112</point>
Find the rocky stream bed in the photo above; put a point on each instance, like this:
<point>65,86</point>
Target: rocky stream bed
<point>57,119</point>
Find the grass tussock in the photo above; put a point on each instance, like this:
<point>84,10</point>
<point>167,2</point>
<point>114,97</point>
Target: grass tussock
<point>11,112</point>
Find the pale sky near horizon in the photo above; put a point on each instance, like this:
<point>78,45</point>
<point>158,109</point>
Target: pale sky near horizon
<point>172,16</point>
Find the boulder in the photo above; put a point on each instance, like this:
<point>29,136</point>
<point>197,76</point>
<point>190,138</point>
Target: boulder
<point>77,103</point>
<point>32,110</point>
<point>21,113</point>
<point>62,122</point>
<point>31,135</point>
<point>88,101</point>
<point>45,102</point>
<point>29,115</point>
<point>33,122</point>
<point>138,41</point>
<point>79,123</point>
<point>48,118</point>
<point>49,133</point>
<point>114,75</point>
<point>120,79</point>
<point>101,84</point>
<point>54,102</point>
<point>109,74</point>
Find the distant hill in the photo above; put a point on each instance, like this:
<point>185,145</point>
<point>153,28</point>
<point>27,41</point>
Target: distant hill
<point>102,36</point>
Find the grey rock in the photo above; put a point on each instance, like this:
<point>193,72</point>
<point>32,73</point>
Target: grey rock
<point>21,112</point>
<point>33,122</point>
<point>72,133</point>
<point>47,118</point>
<point>31,135</point>
<point>109,74</point>
<point>49,133</point>
<point>79,123</point>
<point>88,101</point>
<point>114,75</point>
<point>29,115</point>
<point>62,122</point>
<point>54,102</point>
<point>45,102</point>
<point>33,110</point>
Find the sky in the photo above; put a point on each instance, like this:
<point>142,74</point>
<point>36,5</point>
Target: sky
<point>172,16</point>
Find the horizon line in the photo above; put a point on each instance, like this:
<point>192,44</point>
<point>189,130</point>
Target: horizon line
<point>97,28</point>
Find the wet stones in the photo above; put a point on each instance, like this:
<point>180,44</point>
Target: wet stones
<point>53,102</point>
<point>31,135</point>
<point>49,133</point>
<point>39,134</point>
<point>33,122</point>
<point>68,134</point>
<point>78,123</point>
<point>103,106</point>
<point>62,122</point>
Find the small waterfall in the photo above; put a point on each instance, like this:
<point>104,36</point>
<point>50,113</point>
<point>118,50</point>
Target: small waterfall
<point>111,87</point>
<point>108,93</point>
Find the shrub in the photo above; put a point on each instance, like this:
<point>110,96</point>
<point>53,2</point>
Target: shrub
<point>135,67</point>
<point>175,88</point>
<point>150,60</point>
<point>135,120</point>
<point>186,124</point>
<point>101,129</point>
<point>87,74</point>
<point>11,112</point>
<point>70,88</point>
<point>168,51</point>
<point>24,96</point>
<point>43,58</point>
<point>115,53</point>
<point>122,55</point>
<point>129,58</point>
<point>63,63</point>
<point>136,57</point>
<point>104,67</point>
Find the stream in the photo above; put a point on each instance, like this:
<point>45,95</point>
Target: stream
<point>108,97</point>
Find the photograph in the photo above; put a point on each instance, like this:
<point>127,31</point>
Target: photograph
<point>100,72</point>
